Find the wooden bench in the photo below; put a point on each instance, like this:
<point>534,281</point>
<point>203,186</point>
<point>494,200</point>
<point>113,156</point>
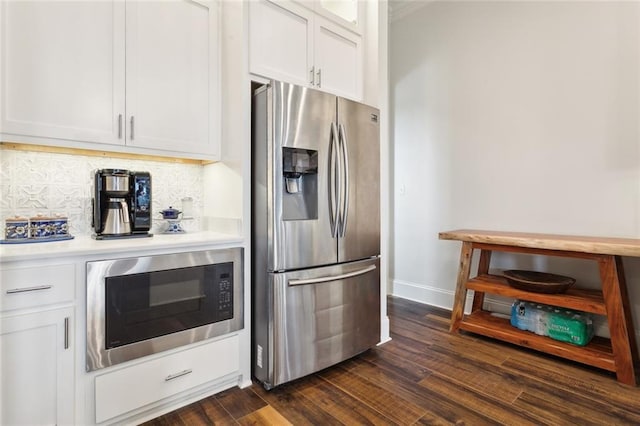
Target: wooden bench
<point>618,354</point>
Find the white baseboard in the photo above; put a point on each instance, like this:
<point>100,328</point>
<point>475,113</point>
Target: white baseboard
<point>244,383</point>
<point>424,294</point>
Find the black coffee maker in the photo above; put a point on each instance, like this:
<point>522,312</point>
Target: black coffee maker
<point>121,204</point>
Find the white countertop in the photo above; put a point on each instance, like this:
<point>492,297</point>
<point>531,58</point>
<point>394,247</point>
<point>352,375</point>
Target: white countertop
<point>85,245</point>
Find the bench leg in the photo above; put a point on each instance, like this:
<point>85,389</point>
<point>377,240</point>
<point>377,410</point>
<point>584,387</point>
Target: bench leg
<point>461,286</point>
<point>614,289</point>
<point>483,269</point>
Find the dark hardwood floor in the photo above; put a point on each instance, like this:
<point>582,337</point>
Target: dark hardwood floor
<point>425,375</point>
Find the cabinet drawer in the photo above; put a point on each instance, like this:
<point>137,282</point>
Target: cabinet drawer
<point>31,287</point>
<point>134,387</point>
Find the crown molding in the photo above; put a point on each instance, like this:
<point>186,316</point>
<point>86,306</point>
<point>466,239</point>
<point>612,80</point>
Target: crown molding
<point>399,9</point>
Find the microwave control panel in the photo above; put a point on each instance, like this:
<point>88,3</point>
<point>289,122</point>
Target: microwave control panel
<point>224,285</point>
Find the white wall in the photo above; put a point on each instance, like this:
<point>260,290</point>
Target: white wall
<point>380,93</point>
<point>226,182</point>
<point>520,116</point>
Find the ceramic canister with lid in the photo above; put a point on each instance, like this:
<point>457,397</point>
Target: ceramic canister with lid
<point>60,224</point>
<point>42,227</point>
<point>16,228</point>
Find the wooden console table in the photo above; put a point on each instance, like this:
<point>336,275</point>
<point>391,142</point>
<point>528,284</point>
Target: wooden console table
<point>618,354</point>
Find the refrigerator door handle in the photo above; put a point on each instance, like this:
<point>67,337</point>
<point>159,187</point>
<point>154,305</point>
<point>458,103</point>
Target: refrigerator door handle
<point>333,277</point>
<point>333,182</point>
<point>342,136</point>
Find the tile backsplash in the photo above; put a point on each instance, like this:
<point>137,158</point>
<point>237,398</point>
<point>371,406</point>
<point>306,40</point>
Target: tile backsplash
<point>33,183</point>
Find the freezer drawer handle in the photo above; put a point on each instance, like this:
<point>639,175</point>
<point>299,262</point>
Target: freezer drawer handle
<point>333,277</point>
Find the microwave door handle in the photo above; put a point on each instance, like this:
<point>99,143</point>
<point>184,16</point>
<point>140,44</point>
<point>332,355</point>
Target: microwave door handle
<point>329,278</point>
<point>332,178</point>
<point>342,136</point>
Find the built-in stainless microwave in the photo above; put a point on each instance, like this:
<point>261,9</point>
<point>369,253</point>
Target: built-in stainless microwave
<point>144,305</point>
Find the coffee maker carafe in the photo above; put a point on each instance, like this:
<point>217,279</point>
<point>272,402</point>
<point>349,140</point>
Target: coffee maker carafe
<point>122,204</point>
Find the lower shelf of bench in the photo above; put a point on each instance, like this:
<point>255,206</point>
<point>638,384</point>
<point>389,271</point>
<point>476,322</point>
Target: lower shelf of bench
<point>597,353</point>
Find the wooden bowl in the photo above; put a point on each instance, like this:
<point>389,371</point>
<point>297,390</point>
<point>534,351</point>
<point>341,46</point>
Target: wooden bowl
<point>538,282</point>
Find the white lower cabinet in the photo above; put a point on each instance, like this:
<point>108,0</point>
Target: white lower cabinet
<point>35,287</point>
<point>37,361</point>
<point>134,387</point>
<point>37,368</point>
<point>43,380</point>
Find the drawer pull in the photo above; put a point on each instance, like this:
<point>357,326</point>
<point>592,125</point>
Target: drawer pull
<point>180,374</point>
<point>25,289</point>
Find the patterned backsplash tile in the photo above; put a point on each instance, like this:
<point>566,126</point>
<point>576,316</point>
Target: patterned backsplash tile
<point>33,183</point>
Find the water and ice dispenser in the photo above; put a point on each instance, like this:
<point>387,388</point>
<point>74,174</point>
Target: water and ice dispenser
<point>300,189</point>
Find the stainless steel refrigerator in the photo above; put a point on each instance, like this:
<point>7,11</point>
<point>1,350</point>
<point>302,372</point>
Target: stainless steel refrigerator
<point>315,231</point>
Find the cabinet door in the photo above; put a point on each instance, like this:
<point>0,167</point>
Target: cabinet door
<point>338,59</point>
<point>172,75</point>
<point>63,69</point>
<point>36,365</point>
<point>129,388</point>
<point>280,41</point>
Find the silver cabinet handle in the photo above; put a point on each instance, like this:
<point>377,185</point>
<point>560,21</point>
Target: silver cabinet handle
<point>180,374</point>
<point>312,82</point>
<point>119,126</point>
<point>333,277</point>
<point>319,74</point>
<point>132,124</point>
<point>66,333</point>
<point>25,289</point>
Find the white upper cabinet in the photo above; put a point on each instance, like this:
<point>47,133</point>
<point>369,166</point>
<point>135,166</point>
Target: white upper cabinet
<point>281,41</point>
<point>136,74</point>
<point>291,43</point>
<point>348,13</point>
<point>337,59</point>
<point>171,75</point>
<point>62,69</point>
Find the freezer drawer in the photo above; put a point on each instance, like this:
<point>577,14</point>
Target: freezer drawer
<point>315,318</point>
